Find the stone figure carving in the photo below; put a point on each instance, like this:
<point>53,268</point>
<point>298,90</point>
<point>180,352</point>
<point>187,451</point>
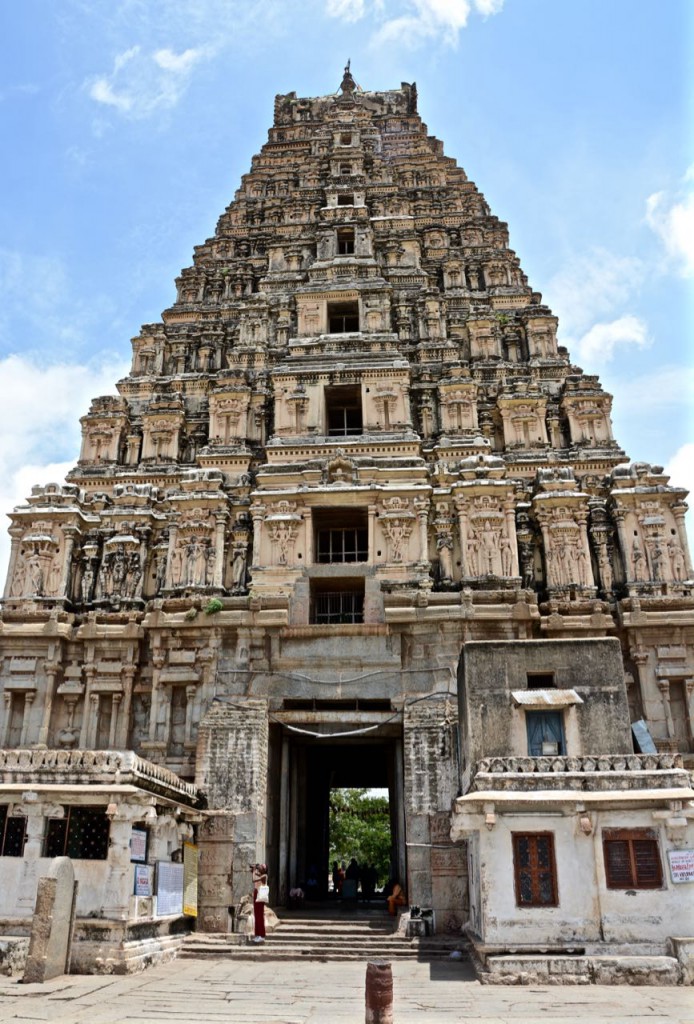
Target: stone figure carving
<point>444,546</point>
<point>638,561</point>
<point>677,561</point>
<point>238,567</point>
<point>397,530</point>
<point>19,580</point>
<point>34,577</point>
<point>506,555</point>
<point>605,567</point>
<point>87,582</point>
<point>176,566</point>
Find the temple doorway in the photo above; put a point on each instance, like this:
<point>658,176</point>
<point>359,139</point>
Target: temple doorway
<point>313,771</point>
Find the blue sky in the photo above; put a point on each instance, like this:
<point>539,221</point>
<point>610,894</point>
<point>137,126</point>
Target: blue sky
<point>127,124</point>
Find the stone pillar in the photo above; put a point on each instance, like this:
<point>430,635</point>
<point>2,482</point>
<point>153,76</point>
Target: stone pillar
<point>258,516</point>
<point>618,516</point>
<point>16,535</point>
<point>689,691</point>
<point>5,734</point>
<point>128,676</point>
<point>173,537</point>
<point>372,534</point>
<point>51,669</point>
<point>116,699</point>
<point>190,707</point>
<point>462,532</point>
<point>118,884</point>
<point>158,659</point>
<point>28,701</point>
<point>510,517</point>
<point>215,854</point>
<point>220,524</point>
<point>422,509</point>
<point>379,993</point>
<point>664,687</point>
<point>230,736</point>
<point>89,673</point>
<point>679,510</point>
<point>308,535</point>
<point>67,562</point>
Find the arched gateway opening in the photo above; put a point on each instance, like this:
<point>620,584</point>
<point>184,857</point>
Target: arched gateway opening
<point>309,769</point>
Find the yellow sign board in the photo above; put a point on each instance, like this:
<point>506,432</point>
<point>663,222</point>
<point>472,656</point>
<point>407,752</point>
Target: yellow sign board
<point>190,879</point>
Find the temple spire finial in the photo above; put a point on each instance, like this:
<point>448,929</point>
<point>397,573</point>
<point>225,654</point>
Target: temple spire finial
<point>348,85</point>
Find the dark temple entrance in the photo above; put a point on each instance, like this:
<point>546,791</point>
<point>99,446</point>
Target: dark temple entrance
<point>311,768</point>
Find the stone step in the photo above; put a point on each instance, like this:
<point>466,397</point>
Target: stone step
<point>288,945</point>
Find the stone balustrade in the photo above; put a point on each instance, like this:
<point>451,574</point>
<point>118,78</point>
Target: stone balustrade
<point>90,767</point>
<point>598,772</point>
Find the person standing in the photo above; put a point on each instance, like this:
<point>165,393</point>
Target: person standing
<point>259,878</point>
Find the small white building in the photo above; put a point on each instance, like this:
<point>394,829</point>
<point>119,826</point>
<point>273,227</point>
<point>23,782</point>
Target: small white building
<point>580,863</point>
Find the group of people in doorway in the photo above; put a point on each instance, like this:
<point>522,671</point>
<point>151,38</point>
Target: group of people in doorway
<point>350,881</point>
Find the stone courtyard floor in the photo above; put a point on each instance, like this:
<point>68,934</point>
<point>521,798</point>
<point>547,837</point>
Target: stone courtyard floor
<point>204,992</point>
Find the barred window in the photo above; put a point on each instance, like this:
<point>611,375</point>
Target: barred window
<point>12,833</point>
<point>534,869</point>
<point>632,858</point>
<point>82,834</point>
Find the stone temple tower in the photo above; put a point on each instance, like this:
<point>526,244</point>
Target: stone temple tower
<point>350,447</point>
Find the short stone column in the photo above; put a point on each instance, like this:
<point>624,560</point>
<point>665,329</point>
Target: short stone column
<point>52,924</point>
<point>379,993</point>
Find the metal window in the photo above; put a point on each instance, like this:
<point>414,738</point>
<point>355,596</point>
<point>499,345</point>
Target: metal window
<point>12,833</point>
<point>338,607</point>
<point>534,869</point>
<point>632,859</point>
<point>343,545</point>
<point>82,834</point>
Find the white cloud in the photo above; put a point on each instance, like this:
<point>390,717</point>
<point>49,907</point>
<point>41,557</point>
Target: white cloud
<point>346,10</point>
<point>599,344</point>
<point>671,216</point>
<point>414,23</point>
<point>142,83</point>
<point>591,286</point>
<point>40,406</point>
<point>680,467</point>
<point>659,391</point>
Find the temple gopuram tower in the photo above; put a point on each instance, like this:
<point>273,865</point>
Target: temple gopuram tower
<point>352,446</point>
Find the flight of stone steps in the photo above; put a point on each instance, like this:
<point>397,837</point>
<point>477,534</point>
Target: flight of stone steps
<point>358,935</point>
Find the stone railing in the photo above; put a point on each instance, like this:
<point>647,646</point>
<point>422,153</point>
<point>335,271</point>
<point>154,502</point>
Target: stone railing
<point>588,772</point>
<point>93,767</point>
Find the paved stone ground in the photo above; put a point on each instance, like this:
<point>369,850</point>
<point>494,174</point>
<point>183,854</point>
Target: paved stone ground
<point>203,992</point>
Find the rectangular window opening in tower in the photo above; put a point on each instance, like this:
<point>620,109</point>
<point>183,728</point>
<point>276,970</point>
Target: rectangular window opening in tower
<point>345,242</point>
<point>341,535</point>
<point>343,413</point>
<point>343,317</point>
<point>345,199</point>
<point>337,602</point>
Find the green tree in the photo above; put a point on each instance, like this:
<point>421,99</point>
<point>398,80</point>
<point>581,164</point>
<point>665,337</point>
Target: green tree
<point>360,827</point>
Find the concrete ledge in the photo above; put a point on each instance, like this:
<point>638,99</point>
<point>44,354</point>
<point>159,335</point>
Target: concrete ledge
<point>553,969</point>
<point>122,947</point>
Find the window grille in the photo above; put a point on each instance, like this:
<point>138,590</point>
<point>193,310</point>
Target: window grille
<point>12,833</point>
<point>343,545</point>
<point>82,834</point>
<point>338,607</point>
<point>632,859</point>
<point>534,869</point>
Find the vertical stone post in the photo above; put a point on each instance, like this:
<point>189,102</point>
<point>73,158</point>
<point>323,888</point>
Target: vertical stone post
<point>462,534</point>
<point>664,687</point>
<point>679,510</point>
<point>5,733</point>
<point>510,517</point>
<point>422,509</point>
<point>689,692</point>
<point>63,590</point>
<point>128,676</point>
<point>220,524</point>
<point>116,699</point>
<point>232,764</point>
<point>372,534</point>
<point>28,701</point>
<point>51,670</point>
<point>89,673</point>
<point>16,534</point>
<point>257,515</point>
<point>379,993</point>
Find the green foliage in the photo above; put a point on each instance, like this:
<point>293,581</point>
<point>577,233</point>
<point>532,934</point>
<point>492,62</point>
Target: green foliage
<point>360,827</point>
<point>213,605</point>
<point>191,614</point>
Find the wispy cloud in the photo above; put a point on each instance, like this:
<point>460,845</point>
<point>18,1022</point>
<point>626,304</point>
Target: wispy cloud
<point>671,216</point>
<point>414,23</point>
<point>40,407</point>
<point>141,83</point>
<point>603,341</point>
<point>592,286</point>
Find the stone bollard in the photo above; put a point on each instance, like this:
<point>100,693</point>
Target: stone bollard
<point>379,992</point>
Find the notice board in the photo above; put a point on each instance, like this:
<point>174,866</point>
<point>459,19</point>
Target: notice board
<point>190,879</point>
<point>169,888</point>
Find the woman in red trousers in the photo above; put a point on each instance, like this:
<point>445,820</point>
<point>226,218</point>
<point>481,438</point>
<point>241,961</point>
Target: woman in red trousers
<point>259,878</point>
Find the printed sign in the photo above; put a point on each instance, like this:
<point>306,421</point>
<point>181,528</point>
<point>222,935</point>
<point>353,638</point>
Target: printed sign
<point>169,888</point>
<point>144,879</point>
<point>190,879</point>
<point>681,865</point>
<point>644,740</point>
<point>138,845</point>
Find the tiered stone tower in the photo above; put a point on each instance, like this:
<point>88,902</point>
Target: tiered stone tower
<point>352,444</point>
